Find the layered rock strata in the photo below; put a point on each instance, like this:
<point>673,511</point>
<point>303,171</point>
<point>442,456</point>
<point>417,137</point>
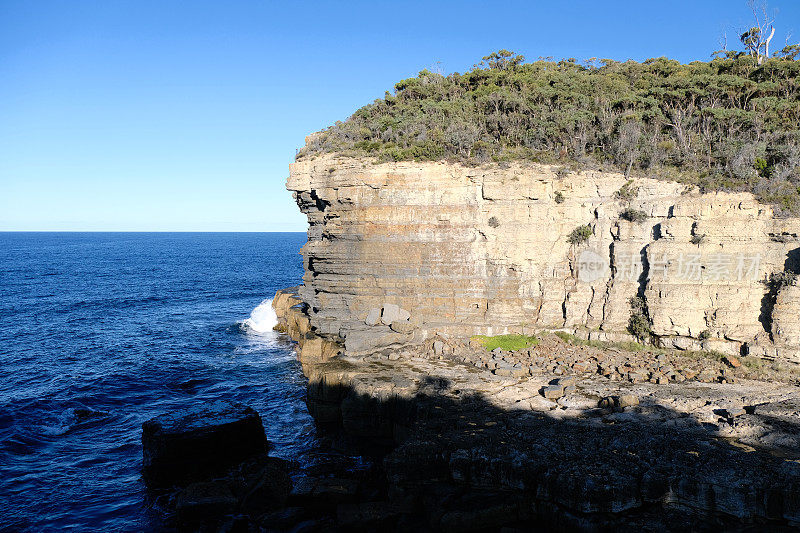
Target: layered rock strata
<point>487,250</point>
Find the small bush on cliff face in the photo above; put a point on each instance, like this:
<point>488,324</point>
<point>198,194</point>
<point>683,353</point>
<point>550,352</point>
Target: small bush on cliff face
<point>508,343</point>
<point>633,215</point>
<point>559,197</point>
<point>779,280</point>
<point>627,192</point>
<point>580,235</point>
<point>639,324</point>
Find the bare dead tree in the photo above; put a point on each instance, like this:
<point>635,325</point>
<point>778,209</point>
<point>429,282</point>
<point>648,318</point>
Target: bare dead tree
<point>756,40</point>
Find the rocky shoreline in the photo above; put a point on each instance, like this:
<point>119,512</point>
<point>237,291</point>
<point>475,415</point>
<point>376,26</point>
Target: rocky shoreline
<point>564,435</point>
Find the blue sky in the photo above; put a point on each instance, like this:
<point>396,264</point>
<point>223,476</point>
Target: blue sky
<point>179,116</point>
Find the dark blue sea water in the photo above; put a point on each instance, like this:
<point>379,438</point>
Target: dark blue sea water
<point>101,331</point>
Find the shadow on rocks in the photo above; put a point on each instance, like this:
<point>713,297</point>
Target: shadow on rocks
<point>453,461</point>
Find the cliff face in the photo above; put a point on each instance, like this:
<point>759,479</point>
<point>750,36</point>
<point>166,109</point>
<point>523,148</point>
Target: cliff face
<point>485,251</point>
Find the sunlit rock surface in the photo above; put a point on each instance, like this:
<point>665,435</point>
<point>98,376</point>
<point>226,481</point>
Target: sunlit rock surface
<point>485,250</point>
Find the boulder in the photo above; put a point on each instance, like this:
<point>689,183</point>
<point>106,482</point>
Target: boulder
<point>520,371</point>
<point>565,381</point>
<point>618,402</point>
<point>402,326</point>
<point>204,502</point>
<point>707,376</point>
<point>392,313</point>
<point>553,392</point>
<point>262,484</point>
<point>313,491</point>
<point>181,448</point>
<point>373,317</point>
<point>732,361</point>
<point>636,377</point>
<point>626,400</point>
<point>504,369</point>
<point>438,347</point>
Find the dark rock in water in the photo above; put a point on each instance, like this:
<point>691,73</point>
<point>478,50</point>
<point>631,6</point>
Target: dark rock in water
<point>204,502</point>
<point>82,414</point>
<point>261,484</point>
<point>257,486</point>
<point>194,445</point>
<point>191,385</point>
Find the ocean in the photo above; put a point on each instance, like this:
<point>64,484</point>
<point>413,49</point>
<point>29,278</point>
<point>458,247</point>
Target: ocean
<point>102,331</point>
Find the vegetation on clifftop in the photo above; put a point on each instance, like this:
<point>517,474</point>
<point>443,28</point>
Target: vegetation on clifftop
<point>732,123</point>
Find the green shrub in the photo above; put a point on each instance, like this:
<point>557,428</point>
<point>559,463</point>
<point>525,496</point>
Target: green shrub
<point>580,234</point>
<point>639,324</point>
<point>697,239</point>
<point>633,215</point>
<point>566,337</point>
<point>779,280</point>
<point>511,342</point>
<point>559,197</point>
<point>627,192</point>
<point>763,168</point>
<point>738,128</point>
<point>630,346</point>
<point>753,363</point>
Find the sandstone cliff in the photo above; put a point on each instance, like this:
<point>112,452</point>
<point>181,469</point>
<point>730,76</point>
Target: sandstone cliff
<point>485,251</point>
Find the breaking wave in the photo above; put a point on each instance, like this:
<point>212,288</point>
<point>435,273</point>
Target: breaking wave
<point>262,319</point>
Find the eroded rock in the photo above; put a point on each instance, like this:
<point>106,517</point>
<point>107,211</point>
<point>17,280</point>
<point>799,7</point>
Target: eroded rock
<point>187,446</point>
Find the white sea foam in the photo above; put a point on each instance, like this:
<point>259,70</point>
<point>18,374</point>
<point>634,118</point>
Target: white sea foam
<point>262,319</point>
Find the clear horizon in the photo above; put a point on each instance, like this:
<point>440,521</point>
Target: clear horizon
<point>169,117</point>
<point>138,231</point>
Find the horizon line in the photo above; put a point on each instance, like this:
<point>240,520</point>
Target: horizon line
<point>142,231</point>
